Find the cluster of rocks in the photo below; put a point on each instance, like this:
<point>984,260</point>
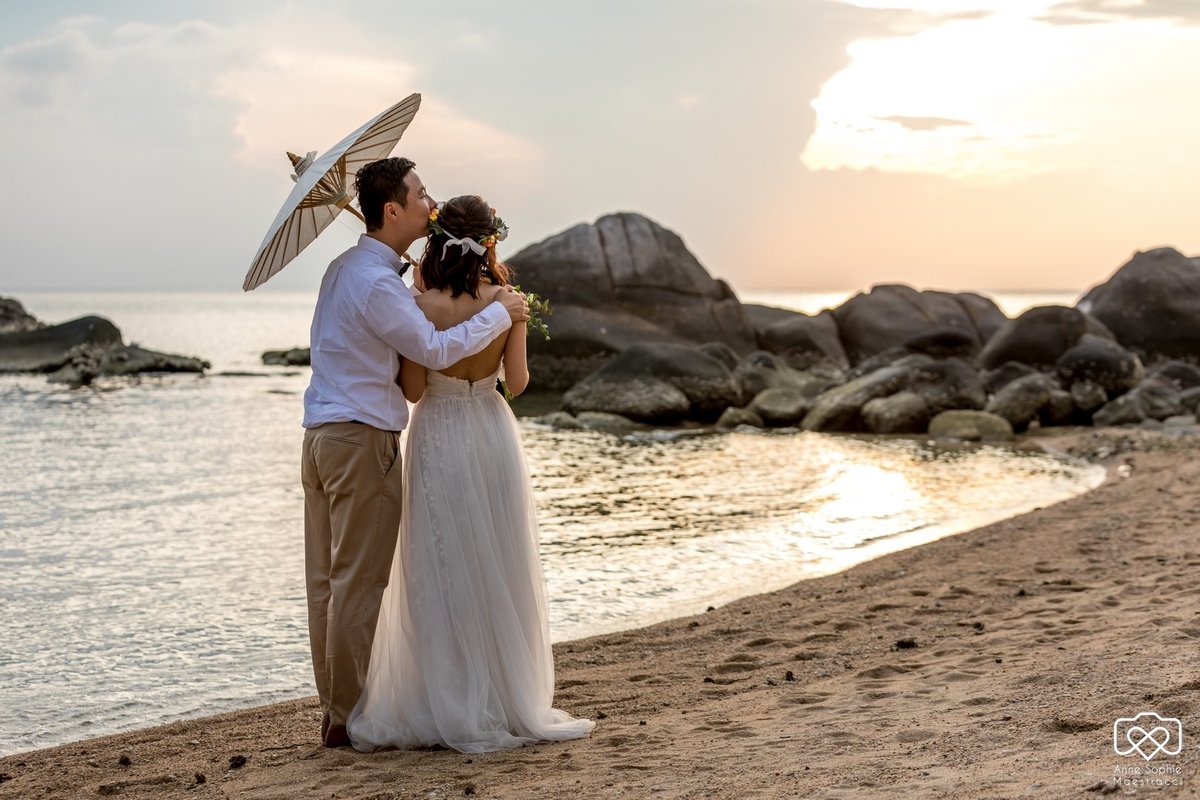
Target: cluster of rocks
<point>641,331</point>
<point>79,351</point>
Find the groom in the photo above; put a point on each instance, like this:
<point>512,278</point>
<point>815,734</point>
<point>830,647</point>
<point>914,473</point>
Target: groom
<point>353,414</point>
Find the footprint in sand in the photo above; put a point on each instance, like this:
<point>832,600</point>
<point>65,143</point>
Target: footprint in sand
<point>887,671</point>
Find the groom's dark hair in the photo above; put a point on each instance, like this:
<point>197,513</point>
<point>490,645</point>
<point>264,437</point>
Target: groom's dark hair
<point>378,183</point>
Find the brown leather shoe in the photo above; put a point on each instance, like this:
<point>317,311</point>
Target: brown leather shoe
<point>336,736</point>
<point>324,725</point>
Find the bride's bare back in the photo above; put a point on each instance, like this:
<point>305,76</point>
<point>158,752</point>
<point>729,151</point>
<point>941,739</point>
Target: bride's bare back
<point>445,312</point>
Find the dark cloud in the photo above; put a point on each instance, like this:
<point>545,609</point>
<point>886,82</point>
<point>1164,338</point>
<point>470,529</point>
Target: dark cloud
<point>1077,12</point>
<point>925,123</point>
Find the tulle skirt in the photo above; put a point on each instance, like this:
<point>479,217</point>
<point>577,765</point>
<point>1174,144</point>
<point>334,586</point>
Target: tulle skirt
<point>461,655</point>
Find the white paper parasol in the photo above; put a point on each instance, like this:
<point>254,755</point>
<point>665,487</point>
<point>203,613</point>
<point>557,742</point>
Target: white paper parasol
<point>324,186</point>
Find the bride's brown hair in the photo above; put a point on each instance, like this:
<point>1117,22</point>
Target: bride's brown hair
<point>454,267</point>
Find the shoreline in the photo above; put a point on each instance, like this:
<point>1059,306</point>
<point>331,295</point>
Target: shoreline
<point>1024,649</point>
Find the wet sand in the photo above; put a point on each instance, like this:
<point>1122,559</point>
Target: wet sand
<point>991,664</point>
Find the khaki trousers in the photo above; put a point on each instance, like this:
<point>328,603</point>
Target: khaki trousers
<point>352,502</point>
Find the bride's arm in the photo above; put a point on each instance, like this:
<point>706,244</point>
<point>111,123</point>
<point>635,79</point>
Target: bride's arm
<point>516,366</point>
<point>412,379</point>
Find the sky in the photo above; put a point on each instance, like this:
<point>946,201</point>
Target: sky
<point>793,144</point>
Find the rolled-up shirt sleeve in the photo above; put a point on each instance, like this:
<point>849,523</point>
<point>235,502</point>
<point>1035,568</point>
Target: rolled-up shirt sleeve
<point>392,314</point>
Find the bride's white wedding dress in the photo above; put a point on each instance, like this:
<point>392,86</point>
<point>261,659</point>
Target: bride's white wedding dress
<point>462,650</point>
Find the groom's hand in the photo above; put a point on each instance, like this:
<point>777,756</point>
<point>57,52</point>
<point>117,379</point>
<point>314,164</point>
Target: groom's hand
<point>515,303</point>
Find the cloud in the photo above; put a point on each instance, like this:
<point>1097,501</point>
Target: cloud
<point>924,123</point>
<point>170,139</point>
<point>35,72</point>
<point>1074,12</point>
<point>299,100</point>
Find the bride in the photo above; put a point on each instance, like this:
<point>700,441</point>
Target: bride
<point>462,649</point>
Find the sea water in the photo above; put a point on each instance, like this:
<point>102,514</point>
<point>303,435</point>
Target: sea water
<point>151,530</point>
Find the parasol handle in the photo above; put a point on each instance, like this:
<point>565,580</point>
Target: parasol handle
<point>346,205</point>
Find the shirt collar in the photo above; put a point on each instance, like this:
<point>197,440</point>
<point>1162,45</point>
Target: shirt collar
<point>379,248</point>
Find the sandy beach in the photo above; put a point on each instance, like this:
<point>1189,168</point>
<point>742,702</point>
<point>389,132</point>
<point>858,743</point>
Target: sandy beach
<point>991,664</point>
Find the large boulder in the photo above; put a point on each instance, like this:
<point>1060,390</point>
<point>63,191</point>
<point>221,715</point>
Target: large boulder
<point>947,384</point>
<point>1154,398</point>
<point>890,314</point>
<point>1101,361</point>
<point>1152,304</point>
<point>1087,396</point>
<point>14,317</point>
<point>902,412</point>
<point>996,379</point>
<point>970,426</point>
<point>642,399</point>
<point>1021,401</point>
<point>840,408</point>
<point>702,380</point>
<point>803,340</point>
<point>780,407</point>
<point>1060,409</point>
<point>736,417</point>
<point>622,281</point>
<point>49,348</point>
<point>1039,336</point>
<point>1184,375</point>
<point>943,343</point>
<point>761,370</point>
<point>878,361</point>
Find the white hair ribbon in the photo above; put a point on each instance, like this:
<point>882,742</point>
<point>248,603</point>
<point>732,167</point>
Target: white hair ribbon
<point>467,244</point>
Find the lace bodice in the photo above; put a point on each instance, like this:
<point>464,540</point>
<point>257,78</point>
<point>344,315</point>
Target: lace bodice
<point>439,385</point>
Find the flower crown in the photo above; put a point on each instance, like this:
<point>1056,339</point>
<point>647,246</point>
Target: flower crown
<point>490,240</point>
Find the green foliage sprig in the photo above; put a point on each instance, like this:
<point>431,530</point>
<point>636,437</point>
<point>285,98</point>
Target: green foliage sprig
<point>539,309</point>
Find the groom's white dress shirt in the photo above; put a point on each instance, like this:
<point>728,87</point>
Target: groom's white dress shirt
<point>365,315</point>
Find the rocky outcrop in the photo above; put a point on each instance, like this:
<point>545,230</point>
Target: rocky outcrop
<point>83,349</point>
<point>49,348</point>
<point>296,357</point>
<point>633,305</point>
<point>622,281</point>
<point>14,318</point>
<point>1150,305</point>
<point>891,314</point>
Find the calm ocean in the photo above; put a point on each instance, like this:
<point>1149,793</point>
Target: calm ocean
<point>151,561</point>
